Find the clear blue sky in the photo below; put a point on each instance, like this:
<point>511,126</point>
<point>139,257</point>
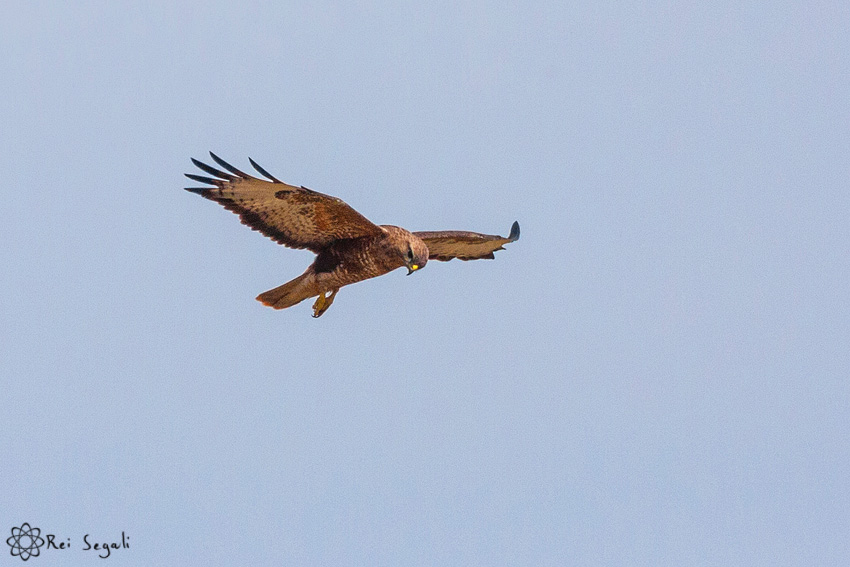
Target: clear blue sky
<point>655,374</point>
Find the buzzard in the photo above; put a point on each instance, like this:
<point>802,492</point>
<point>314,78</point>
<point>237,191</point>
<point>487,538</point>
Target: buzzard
<point>349,248</point>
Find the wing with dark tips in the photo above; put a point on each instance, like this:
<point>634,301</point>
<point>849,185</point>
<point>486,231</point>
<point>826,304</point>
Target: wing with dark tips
<point>293,216</point>
<point>449,244</point>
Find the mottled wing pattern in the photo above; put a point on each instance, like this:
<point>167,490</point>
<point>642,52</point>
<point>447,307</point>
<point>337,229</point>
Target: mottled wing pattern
<point>448,244</point>
<point>296,217</point>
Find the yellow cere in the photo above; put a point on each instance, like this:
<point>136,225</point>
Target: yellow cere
<point>414,267</point>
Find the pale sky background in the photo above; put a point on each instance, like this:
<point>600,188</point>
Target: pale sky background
<point>655,374</point>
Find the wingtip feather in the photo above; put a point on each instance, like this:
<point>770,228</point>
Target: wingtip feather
<point>202,179</point>
<point>230,168</point>
<point>263,172</point>
<point>213,171</point>
<point>514,235</point>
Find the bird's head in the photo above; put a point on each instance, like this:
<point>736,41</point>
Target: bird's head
<point>415,253</point>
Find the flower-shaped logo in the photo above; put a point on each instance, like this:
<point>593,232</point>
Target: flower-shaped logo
<point>25,541</point>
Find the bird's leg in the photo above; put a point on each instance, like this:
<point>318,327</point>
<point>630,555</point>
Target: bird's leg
<point>322,302</point>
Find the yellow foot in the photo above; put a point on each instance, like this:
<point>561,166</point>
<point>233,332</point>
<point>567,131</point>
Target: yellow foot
<point>322,303</point>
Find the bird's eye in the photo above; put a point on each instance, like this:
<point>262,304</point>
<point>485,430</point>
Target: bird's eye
<point>410,254</point>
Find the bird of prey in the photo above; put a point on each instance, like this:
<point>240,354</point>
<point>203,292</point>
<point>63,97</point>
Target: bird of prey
<point>349,248</point>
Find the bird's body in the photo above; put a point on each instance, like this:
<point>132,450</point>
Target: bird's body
<point>343,263</point>
<point>349,248</point>
<point>349,261</point>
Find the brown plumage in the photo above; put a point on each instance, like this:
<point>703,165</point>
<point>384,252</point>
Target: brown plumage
<point>349,248</point>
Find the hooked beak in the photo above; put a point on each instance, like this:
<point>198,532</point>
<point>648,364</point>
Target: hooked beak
<point>412,268</point>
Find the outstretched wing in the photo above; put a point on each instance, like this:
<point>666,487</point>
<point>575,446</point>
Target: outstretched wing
<point>447,244</point>
<point>293,216</point>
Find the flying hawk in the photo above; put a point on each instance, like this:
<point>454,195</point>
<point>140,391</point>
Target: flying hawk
<point>349,248</point>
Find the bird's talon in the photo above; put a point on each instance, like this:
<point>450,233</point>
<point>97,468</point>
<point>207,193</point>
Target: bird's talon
<point>323,303</point>
<point>319,305</point>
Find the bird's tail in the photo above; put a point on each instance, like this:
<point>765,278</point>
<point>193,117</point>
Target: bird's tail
<point>290,293</point>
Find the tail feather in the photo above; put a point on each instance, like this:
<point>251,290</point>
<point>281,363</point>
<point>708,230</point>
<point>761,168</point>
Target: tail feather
<point>290,293</point>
